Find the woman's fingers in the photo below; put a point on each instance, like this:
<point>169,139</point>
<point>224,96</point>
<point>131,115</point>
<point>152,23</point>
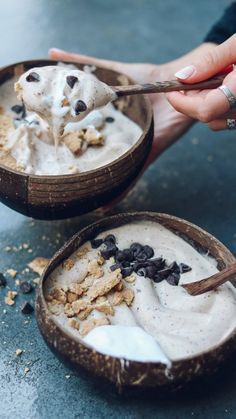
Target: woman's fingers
<point>210,63</point>
<point>57,54</point>
<point>222,124</point>
<point>206,105</point>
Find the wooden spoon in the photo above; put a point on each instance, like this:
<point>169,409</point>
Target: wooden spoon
<point>212,282</point>
<point>167,86</point>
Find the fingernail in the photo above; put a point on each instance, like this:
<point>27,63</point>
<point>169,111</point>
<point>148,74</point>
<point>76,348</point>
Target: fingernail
<point>185,72</point>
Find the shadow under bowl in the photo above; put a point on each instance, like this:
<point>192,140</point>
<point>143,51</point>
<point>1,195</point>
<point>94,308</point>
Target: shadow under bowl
<point>75,353</point>
<point>62,196</point>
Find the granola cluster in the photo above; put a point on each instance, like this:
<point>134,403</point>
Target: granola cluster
<point>79,141</point>
<point>100,290</point>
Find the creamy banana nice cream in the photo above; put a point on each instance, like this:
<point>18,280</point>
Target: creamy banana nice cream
<point>121,293</point>
<point>61,122</point>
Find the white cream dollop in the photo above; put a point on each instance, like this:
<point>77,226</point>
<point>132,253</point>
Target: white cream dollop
<point>128,342</point>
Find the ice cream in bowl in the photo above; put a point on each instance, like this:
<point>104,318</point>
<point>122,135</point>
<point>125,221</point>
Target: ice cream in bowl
<point>67,144</point>
<point>111,301</point>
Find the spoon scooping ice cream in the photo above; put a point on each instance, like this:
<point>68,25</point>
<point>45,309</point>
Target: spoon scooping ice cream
<point>60,95</point>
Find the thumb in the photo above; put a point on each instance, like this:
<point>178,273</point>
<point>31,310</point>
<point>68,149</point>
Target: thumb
<point>210,63</point>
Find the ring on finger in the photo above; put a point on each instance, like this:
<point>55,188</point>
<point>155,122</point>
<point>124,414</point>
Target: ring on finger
<point>229,96</point>
<point>231,123</point>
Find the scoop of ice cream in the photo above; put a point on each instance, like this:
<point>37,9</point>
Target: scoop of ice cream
<point>60,95</point>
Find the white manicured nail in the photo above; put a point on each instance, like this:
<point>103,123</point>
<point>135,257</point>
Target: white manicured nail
<point>185,72</point>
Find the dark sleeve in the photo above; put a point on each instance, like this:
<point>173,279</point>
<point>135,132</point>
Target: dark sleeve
<point>224,28</point>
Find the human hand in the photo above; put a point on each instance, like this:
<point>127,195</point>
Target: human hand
<point>169,124</point>
<point>209,106</point>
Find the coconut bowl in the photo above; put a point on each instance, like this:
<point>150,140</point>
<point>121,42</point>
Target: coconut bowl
<point>78,355</point>
<point>55,197</point>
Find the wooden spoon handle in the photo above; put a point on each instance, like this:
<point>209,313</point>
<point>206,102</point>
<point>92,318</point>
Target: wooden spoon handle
<point>212,282</point>
<point>167,86</point>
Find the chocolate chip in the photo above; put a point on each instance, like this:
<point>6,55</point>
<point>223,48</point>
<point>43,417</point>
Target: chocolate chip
<point>3,281</point>
<point>125,264</point>
<point>141,272</point>
<point>151,271</point>
<point>17,108</point>
<point>138,265</point>
<point>26,287</point>
<point>23,115</point>
<point>109,251</point>
<point>173,278</point>
<point>124,255</point>
<point>184,268</point>
<point>110,238</point>
<point>115,266</point>
<point>120,256</point>
<point>80,106</point>
<point>95,243</point>
<point>109,119</point>
<point>164,273</point>
<point>126,271</point>
<point>136,248</point>
<point>33,77</point>
<point>128,255</point>
<point>174,267</point>
<point>158,262</point>
<point>157,278</point>
<point>149,251</point>
<point>27,308</point>
<point>71,80</point>
<point>141,256</point>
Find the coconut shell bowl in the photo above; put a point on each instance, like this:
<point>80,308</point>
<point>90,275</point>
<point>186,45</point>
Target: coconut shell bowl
<point>55,197</point>
<point>79,355</point>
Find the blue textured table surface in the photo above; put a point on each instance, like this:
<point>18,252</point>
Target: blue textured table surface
<point>195,180</point>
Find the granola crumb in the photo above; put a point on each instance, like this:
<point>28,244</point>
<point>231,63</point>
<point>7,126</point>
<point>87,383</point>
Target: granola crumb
<point>69,312</point>
<point>68,264</point>
<point>117,298</point>
<point>104,285</point>
<point>128,296</point>
<point>100,260</point>
<point>95,269</point>
<point>38,264</point>
<point>11,272</point>
<point>79,305</point>
<point>119,286</point>
<point>130,278</point>
<point>26,370</point>
<point>105,307</point>
<point>82,252</point>
<point>73,323</point>
<point>76,289</point>
<point>19,352</point>
<point>36,281</point>
<point>84,313</point>
<point>10,297</point>
<point>71,297</point>
<point>59,295</point>
<point>90,324</point>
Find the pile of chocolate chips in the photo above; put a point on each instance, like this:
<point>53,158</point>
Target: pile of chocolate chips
<point>140,259</point>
